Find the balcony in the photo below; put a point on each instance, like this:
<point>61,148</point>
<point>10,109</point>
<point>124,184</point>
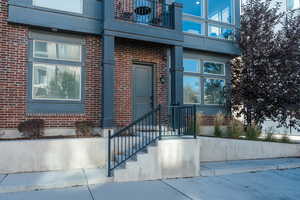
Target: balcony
<point>147,12</point>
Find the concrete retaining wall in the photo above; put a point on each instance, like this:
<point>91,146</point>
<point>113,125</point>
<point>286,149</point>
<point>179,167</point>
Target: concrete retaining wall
<point>218,149</point>
<point>52,154</point>
<point>174,158</point>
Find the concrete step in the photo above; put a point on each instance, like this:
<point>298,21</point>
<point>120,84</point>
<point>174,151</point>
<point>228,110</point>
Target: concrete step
<point>144,168</point>
<point>246,166</point>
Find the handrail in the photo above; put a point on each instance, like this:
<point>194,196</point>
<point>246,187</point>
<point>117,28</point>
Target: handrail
<point>128,141</point>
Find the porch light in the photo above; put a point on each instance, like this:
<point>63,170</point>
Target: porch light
<point>162,79</point>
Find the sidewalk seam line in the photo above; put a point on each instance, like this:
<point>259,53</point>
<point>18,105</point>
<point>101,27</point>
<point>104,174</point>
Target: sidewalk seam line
<point>87,184</point>
<point>177,190</point>
<point>2,180</point>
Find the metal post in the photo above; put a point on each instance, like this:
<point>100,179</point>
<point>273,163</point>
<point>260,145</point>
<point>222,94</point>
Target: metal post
<point>195,121</point>
<point>159,121</point>
<point>109,152</point>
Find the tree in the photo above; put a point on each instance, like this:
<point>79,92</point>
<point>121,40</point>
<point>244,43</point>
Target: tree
<point>261,87</point>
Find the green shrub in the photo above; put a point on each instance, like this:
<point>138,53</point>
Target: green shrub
<point>253,133</point>
<point>219,121</point>
<point>270,135</point>
<point>235,129</point>
<point>199,122</point>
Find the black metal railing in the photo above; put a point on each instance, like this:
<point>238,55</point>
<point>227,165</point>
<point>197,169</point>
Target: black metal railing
<point>160,122</point>
<point>150,12</point>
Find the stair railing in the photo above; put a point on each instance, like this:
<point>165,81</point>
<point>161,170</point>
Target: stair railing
<point>127,142</point>
<point>135,137</point>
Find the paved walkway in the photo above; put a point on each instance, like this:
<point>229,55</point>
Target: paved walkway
<point>267,185</point>
<point>86,177</point>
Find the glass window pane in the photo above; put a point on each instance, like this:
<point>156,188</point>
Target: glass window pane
<point>214,68</point>
<point>69,52</point>
<point>192,7</point>
<point>64,5</point>
<point>191,65</point>
<point>213,31</point>
<point>213,91</point>
<point>191,90</point>
<point>220,32</point>
<point>44,49</point>
<point>56,82</point>
<point>192,27</point>
<point>227,34</point>
<point>220,11</point>
<point>293,4</point>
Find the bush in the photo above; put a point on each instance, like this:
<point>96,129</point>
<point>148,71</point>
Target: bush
<point>84,128</point>
<point>235,129</point>
<point>253,133</point>
<point>33,128</point>
<point>219,120</point>
<point>270,135</point>
<point>199,122</point>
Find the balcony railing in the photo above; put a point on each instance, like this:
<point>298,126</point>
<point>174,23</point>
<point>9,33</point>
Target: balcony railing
<point>149,12</point>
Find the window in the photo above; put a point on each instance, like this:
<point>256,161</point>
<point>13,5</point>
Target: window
<point>192,7</point>
<point>214,68</point>
<point>220,32</point>
<point>212,18</point>
<point>293,4</point>
<point>213,91</point>
<point>220,11</point>
<point>56,82</point>
<point>75,6</point>
<point>191,65</point>
<point>192,90</point>
<point>193,27</point>
<point>210,79</point>
<point>61,81</point>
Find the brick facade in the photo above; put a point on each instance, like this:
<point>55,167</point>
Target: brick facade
<point>13,78</point>
<point>127,53</point>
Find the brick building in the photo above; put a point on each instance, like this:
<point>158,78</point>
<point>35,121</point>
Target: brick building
<point>110,63</point>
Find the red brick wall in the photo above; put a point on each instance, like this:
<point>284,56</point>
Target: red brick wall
<point>13,80</point>
<point>127,53</point>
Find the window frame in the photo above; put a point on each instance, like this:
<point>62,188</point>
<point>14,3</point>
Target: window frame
<point>203,76</point>
<point>68,106</point>
<point>82,2</point>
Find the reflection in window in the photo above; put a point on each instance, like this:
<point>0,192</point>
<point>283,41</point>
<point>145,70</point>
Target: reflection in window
<point>192,27</point>
<point>213,91</point>
<point>191,65</point>
<point>64,5</point>
<point>56,82</point>
<point>214,68</point>
<point>220,32</point>
<point>220,11</point>
<point>192,7</point>
<point>293,4</point>
<point>58,51</point>
<point>191,90</point>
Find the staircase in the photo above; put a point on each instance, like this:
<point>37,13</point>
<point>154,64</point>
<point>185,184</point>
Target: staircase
<point>133,152</point>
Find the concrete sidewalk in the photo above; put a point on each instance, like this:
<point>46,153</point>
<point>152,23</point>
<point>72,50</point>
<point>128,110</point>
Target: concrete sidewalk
<point>89,177</point>
<point>267,185</point>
